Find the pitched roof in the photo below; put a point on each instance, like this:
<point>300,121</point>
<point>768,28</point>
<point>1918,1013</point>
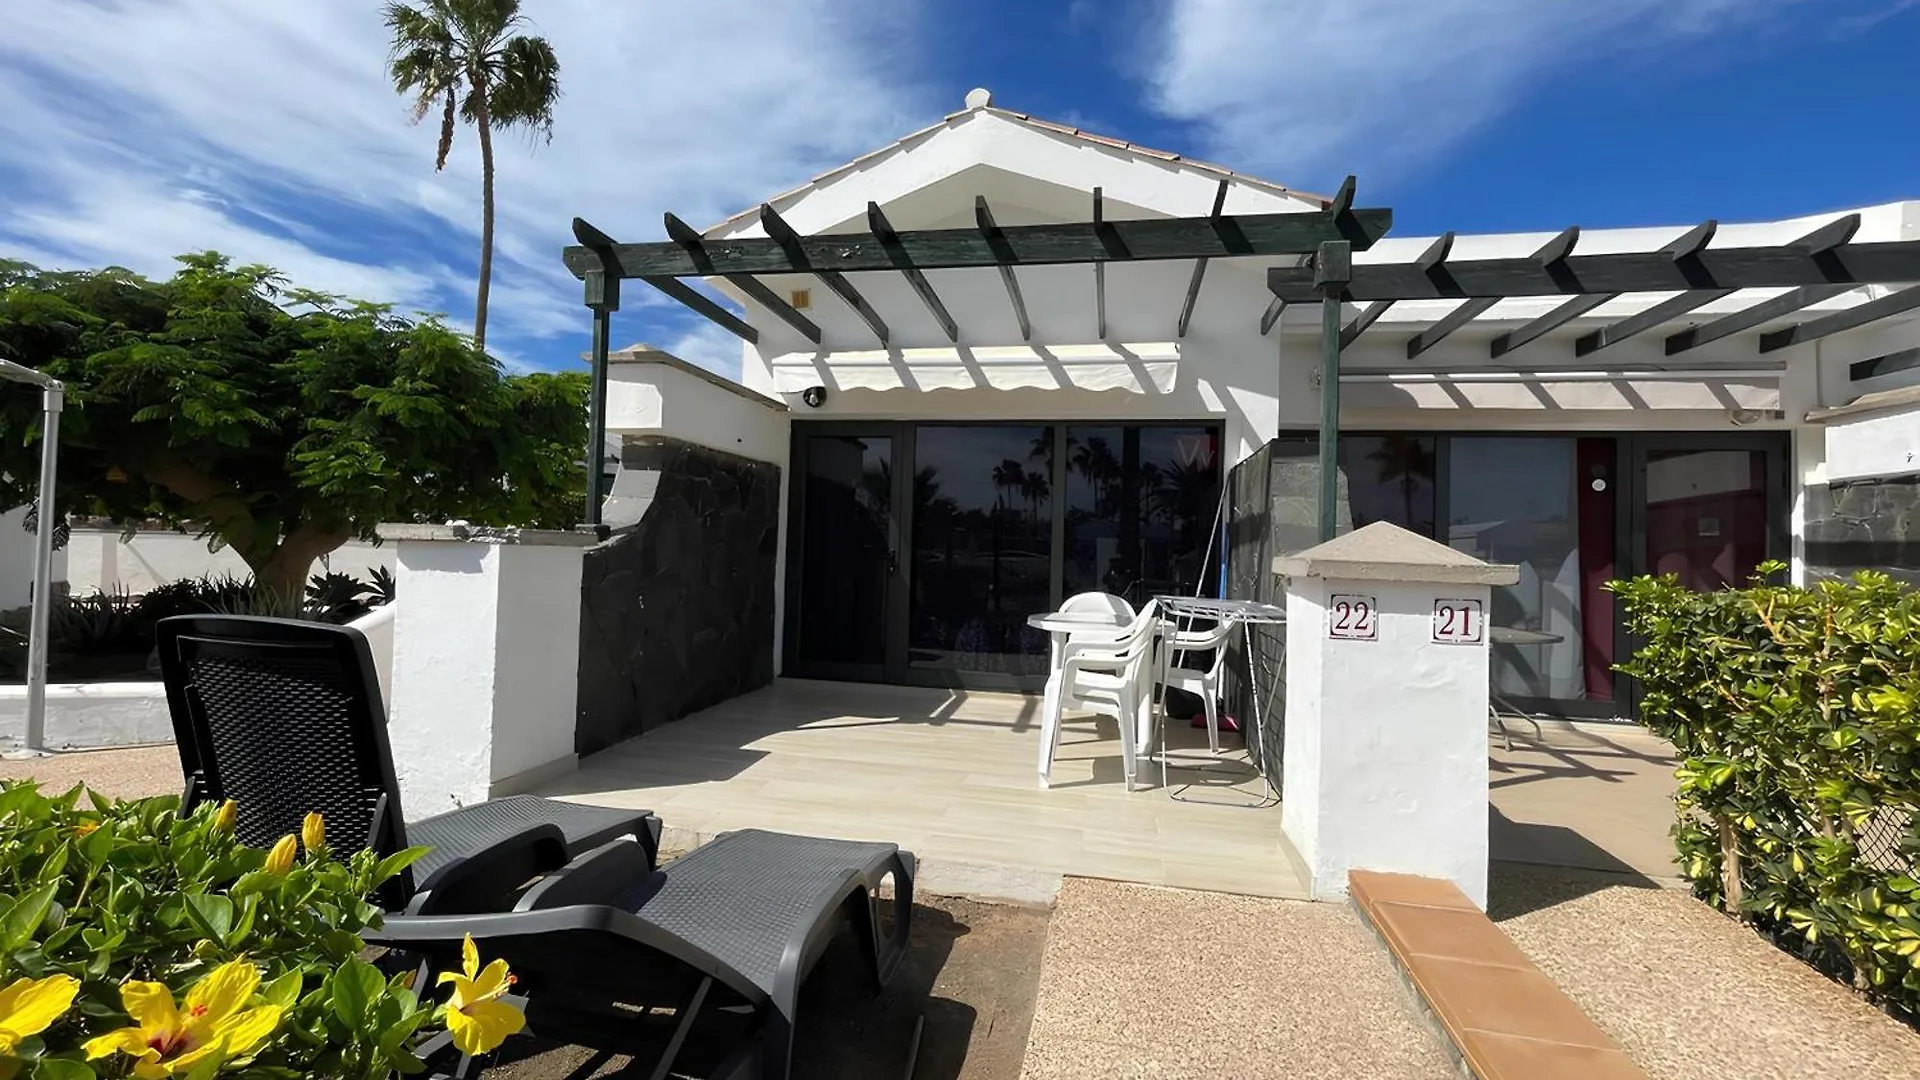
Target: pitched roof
<point>1037,124</point>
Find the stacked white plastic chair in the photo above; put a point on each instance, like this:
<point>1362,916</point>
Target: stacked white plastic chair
<point>1108,672</point>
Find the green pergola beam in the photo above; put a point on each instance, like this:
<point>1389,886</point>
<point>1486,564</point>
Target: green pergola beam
<point>1019,245</point>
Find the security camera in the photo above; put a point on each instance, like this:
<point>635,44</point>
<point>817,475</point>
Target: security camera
<point>814,396</point>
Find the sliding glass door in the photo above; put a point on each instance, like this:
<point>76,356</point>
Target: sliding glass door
<point>917,551</point>
<point>983,551</point>
<point>844,528</point>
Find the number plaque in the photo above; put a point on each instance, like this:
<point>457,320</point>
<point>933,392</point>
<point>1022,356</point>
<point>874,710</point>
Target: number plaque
<point>1352,617</point>
<point>1459,622</point>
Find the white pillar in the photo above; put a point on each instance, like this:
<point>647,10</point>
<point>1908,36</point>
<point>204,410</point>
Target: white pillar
<point>486,650</point>
<point>1386,723</point>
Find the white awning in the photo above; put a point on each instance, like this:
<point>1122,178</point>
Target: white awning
<point>1874,435</point>
<point>1148,368</point>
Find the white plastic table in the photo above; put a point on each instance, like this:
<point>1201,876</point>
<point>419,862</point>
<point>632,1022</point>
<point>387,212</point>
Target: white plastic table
<point>1062,624</point>
<point>1512,635</point>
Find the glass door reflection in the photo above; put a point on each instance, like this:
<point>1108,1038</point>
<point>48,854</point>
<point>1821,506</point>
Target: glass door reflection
<point>847,551</point>
<point>982,548</point>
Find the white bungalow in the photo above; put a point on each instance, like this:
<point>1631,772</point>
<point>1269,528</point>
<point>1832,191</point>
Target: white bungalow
<point>964,447</point>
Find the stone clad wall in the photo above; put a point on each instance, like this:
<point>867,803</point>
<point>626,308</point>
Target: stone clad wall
<point>677,608</point>
<point>1864,524</point>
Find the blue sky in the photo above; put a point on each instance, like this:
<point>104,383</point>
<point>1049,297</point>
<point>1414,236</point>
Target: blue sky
<point>132,130</point>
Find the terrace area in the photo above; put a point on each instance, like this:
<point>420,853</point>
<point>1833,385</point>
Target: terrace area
<point>950,774</point>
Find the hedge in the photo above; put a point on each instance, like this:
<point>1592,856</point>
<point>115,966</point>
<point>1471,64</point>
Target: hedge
<point>1792,711</point>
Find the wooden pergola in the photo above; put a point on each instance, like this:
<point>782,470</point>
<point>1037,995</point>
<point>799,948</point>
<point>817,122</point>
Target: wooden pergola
<point>1816,267</point>
<point>601,263</point>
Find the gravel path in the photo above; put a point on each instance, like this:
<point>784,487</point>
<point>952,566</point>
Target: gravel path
<point>1140,981</point>
<point>123,774</point>
<point>1688,992</point>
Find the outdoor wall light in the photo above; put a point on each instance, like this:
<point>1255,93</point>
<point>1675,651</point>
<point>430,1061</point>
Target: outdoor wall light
<point>814,396</point>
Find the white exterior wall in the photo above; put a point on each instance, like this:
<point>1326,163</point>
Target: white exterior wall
<point>97,559</point>
<point>90,716</point>
<point>485,651</point>
<point>536,685</point>
<point>1385,773</point>
<point>655,393</point>
<point>16,561</point>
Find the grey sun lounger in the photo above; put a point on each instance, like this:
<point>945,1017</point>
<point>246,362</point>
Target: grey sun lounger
<point>285,717</point>
<point>723,936</point>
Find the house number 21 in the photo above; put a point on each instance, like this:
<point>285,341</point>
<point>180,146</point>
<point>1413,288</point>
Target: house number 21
<point>1458,622</point>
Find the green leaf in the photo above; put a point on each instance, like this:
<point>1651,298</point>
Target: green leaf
<point>28,912</point>
<point>283,991</point>
<point>61,1069</point>
<point>397,862</point>
<point>212,914</point>
<point>352,989</point>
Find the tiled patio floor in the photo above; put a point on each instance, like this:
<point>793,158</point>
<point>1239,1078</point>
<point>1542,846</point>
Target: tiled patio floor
<point>949,775</point>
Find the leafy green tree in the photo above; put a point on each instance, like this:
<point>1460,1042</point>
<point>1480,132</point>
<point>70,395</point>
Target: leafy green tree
<point>463,57</point>
<point>280,422</point>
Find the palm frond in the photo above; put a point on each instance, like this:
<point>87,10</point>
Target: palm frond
<point>528,86</point>
<point>446,133</point>
<point>484,22</point>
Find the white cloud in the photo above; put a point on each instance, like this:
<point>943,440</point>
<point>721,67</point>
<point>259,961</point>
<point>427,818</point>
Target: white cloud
<point>140,129</point>
<point>709,346</point>
<point>1307,86</point>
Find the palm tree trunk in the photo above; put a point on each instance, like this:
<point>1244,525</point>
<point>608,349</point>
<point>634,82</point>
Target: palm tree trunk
<point>485,125</point>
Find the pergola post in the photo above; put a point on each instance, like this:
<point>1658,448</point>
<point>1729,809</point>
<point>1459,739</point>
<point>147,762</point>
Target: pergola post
<point>603,297</point>
<point>1332,269</point>
<point>602,284</point>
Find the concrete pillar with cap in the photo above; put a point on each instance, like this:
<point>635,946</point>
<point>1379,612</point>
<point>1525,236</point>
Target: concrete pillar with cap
<point>1385,763</point>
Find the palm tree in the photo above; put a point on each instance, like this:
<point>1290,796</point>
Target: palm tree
<point>1408,459</point>
<point>464,57</point>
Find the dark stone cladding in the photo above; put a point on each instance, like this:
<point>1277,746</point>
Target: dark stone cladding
<point>677,607</point>
<point>1865,524</point>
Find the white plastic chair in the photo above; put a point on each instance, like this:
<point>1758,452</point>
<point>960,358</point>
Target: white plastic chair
<point>1203,683</point>
<point>1108,675</point>
<point>1099,601</point>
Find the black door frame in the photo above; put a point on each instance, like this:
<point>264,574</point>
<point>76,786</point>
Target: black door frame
<point>895,603</point>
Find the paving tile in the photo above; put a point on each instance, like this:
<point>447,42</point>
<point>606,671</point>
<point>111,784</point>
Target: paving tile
<point>1511,1057</point>
<point>1504,1000</point>
<point>1444,932</point>
<point>1372,887</point>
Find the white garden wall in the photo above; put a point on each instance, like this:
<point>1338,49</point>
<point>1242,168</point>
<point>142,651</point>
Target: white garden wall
<point>100,559</point>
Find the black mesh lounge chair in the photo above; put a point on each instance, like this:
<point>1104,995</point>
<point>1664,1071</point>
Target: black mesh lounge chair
<point>723,936</point>
<point>286,717</point>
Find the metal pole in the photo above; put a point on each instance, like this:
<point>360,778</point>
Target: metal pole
<point>597,414</point>
<point>52,399</point>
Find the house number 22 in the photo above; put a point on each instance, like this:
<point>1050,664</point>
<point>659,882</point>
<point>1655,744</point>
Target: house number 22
<point>1353,617</point>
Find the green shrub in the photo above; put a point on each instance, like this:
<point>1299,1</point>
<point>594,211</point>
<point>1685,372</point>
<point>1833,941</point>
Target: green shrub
<point>98,623</point>
<point>102,908</point>
<point>1792,710</point>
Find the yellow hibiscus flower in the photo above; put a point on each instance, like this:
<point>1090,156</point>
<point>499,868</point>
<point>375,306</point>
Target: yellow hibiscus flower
<point>478,1022</point>
<point>313,832</point>
<point>30,1006</point>
<point>168,1041</point>
<point>280,858</point>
